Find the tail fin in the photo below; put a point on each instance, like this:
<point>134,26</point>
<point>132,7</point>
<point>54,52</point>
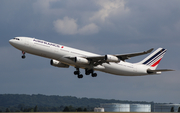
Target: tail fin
<point>153,59</point>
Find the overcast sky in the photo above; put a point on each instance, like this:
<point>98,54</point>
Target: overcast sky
<point>99,26</point>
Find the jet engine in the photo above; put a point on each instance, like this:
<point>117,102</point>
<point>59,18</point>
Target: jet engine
<point>111,58</point>
<point>57,63</point>
<point>81,60</point>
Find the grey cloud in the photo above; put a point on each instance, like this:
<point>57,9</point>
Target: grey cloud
<point>153,17</point>
<point>68,26</point>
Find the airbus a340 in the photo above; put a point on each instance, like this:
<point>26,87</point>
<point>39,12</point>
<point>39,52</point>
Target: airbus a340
<point>63,57</point>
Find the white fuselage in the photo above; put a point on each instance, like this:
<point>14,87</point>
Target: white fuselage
<point>59,52</point>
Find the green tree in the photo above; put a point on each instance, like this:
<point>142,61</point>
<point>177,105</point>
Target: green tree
<point>36,108</point>
<point>79,109</point>
<point>7,110</point>
<point>179,109</point>
<point>31,110</point>
<point>85,109</point>
<point>71,108</point>
<point>66,109</point>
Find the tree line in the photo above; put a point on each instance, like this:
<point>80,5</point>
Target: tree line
<point>54,103</point>
<point>48,109</point>
<point>7,100</point>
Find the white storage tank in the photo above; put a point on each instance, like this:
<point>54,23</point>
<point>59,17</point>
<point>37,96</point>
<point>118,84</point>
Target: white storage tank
<point>116,107</point>
<point>140,107</point>
<point>98,109</point>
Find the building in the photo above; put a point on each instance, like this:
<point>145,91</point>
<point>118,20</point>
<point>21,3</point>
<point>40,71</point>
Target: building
<point>166,107</point>
<point>140,107</point>
<point>118,107</point>
<point>115,107</point>
<point>98,109</point>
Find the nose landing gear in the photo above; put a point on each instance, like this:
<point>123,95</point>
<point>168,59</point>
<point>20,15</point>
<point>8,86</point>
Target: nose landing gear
<point>23,56</point>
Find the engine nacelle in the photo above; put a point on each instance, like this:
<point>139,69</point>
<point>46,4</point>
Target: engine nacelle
<point>111,58</point>
<point>81,60</point>
<point>57,63</point>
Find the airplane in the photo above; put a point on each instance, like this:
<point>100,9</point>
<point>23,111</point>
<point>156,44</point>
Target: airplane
<point>63,56</point>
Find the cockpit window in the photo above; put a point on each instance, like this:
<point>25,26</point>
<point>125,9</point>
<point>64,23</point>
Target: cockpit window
<point>16,38</point>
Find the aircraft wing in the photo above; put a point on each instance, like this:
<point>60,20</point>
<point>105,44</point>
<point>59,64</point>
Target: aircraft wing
<point>127,56</point>
<point>122,56</point>
<point>99,59</point>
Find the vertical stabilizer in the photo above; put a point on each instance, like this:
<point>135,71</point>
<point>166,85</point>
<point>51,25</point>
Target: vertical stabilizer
<point>154,58</point>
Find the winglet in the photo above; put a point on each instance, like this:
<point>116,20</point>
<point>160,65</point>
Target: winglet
<point>149,51</point>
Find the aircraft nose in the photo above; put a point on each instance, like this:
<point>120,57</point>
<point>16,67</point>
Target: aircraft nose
<point>11,41</point>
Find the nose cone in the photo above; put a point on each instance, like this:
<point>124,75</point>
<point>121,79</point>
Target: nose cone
<point>11,41</point>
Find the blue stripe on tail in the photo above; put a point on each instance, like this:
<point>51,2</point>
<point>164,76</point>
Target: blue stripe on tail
<point>158,55</point>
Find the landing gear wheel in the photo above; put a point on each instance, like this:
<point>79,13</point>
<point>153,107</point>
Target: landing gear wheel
<point>76,72</point>
<point>94,74</point>
<point>80,76</point>
<point>23,57</point>
<point>88,72</point>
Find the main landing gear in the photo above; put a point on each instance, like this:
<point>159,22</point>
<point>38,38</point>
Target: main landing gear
<point>87,72</point>
<point>77,72</point>
<point>23,56</point>
<point>91,71</point>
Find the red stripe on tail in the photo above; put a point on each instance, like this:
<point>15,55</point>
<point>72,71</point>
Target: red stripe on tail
<point>156,63</point>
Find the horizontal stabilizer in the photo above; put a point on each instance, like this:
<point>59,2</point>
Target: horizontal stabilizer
<point>158,71</point>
